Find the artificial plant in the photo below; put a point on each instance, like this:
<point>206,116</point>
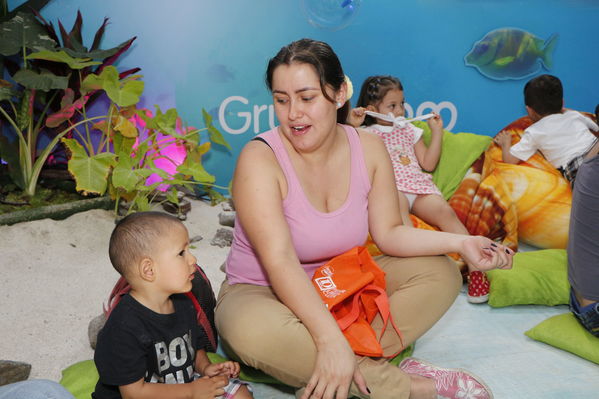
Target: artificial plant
<point>40,71</point>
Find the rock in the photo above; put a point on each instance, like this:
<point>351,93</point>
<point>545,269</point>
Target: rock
<point>11,371</point>
<point>180,210</point>
<point>228,205</point>
<point>223,238</point>
<point>227,219</point>
<point>196,238</point>
<point>94,327</point>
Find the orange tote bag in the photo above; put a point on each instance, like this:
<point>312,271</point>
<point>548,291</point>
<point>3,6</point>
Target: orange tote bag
<point>352,287</point>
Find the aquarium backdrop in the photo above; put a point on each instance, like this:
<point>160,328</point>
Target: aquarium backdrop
<point>467,59</point>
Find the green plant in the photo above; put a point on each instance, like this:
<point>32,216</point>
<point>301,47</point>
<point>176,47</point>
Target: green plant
<point>42,75</point>
<point>133,143</point>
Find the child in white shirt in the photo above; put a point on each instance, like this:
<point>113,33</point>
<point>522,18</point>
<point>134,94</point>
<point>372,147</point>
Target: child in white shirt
<point>563,136</point>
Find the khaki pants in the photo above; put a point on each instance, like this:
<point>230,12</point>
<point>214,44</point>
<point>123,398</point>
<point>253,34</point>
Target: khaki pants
<point>260,331</point>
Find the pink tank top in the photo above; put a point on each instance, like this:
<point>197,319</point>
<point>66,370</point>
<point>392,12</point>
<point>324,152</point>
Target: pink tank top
<point>317,236</point>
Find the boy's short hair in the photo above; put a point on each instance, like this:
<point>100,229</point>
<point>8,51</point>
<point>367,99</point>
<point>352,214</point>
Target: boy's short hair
<point>544,94</point>
<point>135,235</point>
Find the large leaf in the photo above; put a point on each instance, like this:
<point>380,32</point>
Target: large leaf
<point>96,54</point>
<point>125,127</point>
<point>23,30</point>
<point>196,171</point>
<point>43,81</point>
<point>123,94</point>
<point>90,173</point>
<point>213,133</point>
<point>124,175</point>
<point>63,57</point>
<point>27,6</point>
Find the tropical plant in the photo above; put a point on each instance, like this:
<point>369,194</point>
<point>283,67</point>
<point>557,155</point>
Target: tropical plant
<point>139,153</point>
<point>43,76</point>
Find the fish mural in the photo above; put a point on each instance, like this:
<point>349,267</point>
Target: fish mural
<point>511,53</point>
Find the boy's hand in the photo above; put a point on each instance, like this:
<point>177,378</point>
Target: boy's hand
<point>209,387</point>
<point>435,123</point>
<point>229,369</point>
<point>503,139</point>
<point>356,117</point>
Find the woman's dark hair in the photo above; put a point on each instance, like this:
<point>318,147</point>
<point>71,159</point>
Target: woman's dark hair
<point>544,94</point>
<point>324,60</point>
<point>373,90</point>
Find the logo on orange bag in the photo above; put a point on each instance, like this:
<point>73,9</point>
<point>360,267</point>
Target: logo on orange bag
<point>326,284</point>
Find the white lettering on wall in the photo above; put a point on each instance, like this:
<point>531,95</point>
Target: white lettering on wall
<point>247,117</point>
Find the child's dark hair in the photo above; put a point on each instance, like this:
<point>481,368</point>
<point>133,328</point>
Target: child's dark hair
<point>544,94</point>
<point>135,236</point>
<point>373,90</point>
<point>324,60</point>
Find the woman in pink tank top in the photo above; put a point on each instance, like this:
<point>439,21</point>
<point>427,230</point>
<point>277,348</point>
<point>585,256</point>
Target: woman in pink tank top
<point>309,190</point>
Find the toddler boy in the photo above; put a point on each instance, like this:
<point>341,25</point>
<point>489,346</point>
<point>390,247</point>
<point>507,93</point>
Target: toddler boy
<point>563,136</point>
<point>152,345</point>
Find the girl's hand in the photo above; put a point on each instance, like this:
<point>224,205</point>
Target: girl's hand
<point>209,387</point>
<point>335,369</point>
<point>484,254</point>
<point>435,123</point>
<point>356,116</point>
<point>229,369</point>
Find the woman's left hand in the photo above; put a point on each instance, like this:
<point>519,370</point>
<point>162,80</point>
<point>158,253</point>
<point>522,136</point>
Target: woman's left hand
<point>484,254</point>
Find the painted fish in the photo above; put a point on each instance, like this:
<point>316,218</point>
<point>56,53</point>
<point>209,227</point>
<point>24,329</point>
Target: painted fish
<point>511,53</point>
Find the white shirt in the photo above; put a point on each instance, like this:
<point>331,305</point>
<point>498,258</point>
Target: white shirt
<point>560,137</point>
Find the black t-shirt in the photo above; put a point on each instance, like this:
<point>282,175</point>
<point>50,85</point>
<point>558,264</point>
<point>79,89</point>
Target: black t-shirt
<point>137,342</point>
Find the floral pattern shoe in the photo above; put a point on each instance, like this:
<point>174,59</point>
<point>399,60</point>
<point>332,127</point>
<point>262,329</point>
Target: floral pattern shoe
<point>451,383</point>
<point>478,287</point>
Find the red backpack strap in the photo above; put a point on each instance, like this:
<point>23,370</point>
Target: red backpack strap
<point>120,288</point>
<point>201,315</point>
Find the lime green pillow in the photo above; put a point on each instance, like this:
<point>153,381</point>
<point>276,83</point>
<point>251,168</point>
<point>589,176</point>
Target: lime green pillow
<point>458,152</point>
<point>565,332</point>
<point>80,379</point>
<point>537,278</point>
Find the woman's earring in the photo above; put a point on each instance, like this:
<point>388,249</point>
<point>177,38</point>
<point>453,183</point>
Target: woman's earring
<point>339,104</point>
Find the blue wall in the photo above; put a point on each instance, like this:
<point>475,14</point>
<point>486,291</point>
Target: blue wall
<point>197,54</point>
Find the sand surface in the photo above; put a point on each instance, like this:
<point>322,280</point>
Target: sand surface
<point>55,276</point>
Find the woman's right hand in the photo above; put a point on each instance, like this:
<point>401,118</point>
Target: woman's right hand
<point>335,369</point>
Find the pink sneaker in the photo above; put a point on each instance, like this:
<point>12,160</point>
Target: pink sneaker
<point>451,383</point>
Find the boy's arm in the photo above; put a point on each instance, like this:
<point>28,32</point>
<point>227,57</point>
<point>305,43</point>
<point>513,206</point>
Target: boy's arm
<point>201,362</point>
<point>198,389</point>
<point>504,140</point>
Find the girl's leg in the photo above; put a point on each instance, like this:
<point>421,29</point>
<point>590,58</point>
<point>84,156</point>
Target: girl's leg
<point>434,210</point>
<point>258,330</point>
<point>404,208</point>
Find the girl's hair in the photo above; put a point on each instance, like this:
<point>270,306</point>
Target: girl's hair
<point>324,60</point>
<point>373,90</point>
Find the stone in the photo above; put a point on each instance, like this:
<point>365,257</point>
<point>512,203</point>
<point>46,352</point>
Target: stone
<point>222,238</point>
<point>228,205</point>
<point>196,238</point>
<point>11,371</point>
<point>227,219</point>
<point>94,327</point>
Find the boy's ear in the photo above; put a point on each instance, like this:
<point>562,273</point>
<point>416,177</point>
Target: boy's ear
<point>146,270</point>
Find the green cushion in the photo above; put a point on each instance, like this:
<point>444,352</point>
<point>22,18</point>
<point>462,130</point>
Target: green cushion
<point>537,278</point>
<point>80,379</point>
<point>458,152</point>
<point>565,332</point>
